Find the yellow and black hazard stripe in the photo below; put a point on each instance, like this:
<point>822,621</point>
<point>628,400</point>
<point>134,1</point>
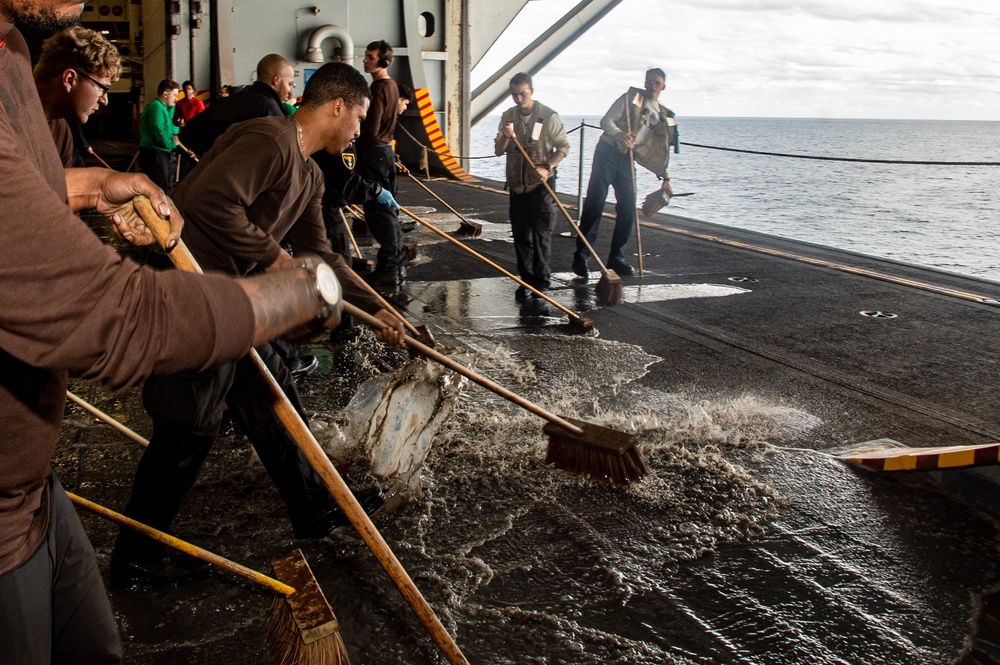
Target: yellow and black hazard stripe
<point>926,459</point>
<point>436,136</point>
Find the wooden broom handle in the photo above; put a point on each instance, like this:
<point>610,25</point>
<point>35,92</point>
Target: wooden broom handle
<point>183,546</point>
<point>100,415</point>
<point>389,308</point>
<point>186,149</point>
<point>569,218</point>
<point>98,158</point>
<point>350,234</point>
<point>321,464</point>
<point>439,199</point>
<point>462,369</point>
<point>431,227</point>
<point>468,373</point>
<point>180,255</point>
<point>631,163</point>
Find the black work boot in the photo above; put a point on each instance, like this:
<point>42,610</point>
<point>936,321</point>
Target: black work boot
<point>619,266</point>
<point>144,570</point>
<point>320,523</point>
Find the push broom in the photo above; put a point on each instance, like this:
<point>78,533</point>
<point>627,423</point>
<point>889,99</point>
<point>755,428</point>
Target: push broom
<point>467,229</point>
<point>609,287</point>
<point>302,628</point>
<point>319,462</point>
<point>574,318</point>
<point>576,446</point>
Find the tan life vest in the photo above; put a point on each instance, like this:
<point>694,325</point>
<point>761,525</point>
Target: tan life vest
<point>654,154</point>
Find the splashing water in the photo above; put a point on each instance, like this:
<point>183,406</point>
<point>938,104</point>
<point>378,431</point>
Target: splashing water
<point>549,556</point>
<point>390,423</point>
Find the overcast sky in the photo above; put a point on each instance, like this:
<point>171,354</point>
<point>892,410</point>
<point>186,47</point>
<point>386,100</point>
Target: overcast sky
<point>933,59</point>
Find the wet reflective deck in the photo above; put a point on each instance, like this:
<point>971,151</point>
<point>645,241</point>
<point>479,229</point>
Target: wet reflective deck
<point>735,367</point>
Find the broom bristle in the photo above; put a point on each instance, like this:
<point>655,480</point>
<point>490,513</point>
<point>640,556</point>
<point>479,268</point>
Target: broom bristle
<point>609,289</point>
<point>362,265</point>
<point>302,629</point>
<point>286,646</point>
<point>602,453</point>
<point>469,230</point>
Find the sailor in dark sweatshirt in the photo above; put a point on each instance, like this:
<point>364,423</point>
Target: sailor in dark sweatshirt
<point>255,188</point>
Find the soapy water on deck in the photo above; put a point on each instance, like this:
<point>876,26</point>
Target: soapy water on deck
<point>393,419</point>
<point>399,419</point>
<point>525,563</point>
<point>728,553</point>
<point>512,542</point>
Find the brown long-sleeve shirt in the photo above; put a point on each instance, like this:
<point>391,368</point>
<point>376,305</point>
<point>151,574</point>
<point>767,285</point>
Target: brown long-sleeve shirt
<point>63,140</point>
<point>379,124</point>
<point>252,190</point>
<point>68,303</point>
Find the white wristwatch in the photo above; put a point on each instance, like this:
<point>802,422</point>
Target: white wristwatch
<point>327,286</point>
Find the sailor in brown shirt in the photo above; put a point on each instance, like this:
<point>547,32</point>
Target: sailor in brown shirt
<point>255,188</point>
<point>68,303</point>
<point>73,74</point>
<point>377,162</point>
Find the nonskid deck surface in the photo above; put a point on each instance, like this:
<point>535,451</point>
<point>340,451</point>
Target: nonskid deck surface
<point>738,549</point>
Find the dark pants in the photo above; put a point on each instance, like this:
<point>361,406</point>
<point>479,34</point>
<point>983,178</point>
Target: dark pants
<point>611,169</point>
<point>336,231</point>
<point>186,410</point>
<point>160,167</point>
<point>378,164</point>
<point>532,220</point>
<point>53,607</point>
<point>288,352</point>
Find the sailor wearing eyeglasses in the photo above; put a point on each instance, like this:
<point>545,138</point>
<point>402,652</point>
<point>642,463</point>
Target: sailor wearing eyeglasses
<point>73,75</point>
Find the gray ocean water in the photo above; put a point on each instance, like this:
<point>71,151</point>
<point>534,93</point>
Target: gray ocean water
<point>944,217</point>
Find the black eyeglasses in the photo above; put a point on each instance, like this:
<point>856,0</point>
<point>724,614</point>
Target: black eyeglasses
<point>104,88</point>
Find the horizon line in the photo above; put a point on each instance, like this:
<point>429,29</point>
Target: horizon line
<point>776,117</point>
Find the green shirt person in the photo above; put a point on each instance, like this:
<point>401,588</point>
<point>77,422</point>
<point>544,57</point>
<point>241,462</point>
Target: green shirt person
<point>156,127</point>
<point>158,137</point>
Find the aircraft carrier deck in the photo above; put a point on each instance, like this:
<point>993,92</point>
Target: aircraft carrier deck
<point>844,566</point>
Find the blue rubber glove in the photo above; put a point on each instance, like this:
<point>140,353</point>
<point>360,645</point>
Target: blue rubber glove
<point>386,199</point>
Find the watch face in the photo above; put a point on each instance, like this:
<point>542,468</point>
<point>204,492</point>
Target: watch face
<point>326,282</point>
